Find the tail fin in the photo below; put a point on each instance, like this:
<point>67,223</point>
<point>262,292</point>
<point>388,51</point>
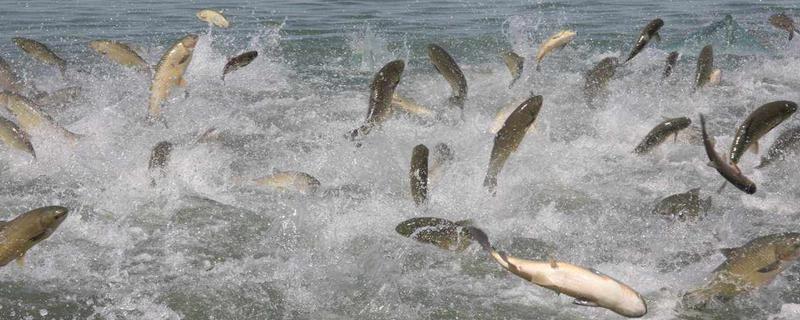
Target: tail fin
<point>480,236</point>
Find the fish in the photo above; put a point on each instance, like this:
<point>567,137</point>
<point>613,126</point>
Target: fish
<point>449,69</point>
<point>715,77</point>
<point>758,124</point>
<point>730,172</point>
<point>672,59</point>
<point>408,105</point>
<point>659,134</point>
<point>290,180</point>
<point>589,287</point>
<point>747,268</point>
<point>649,32</point>
<point>59,98</point>
<point>380,97</point>
<point>515,64</point>
<point>445,234</point>
<point>169,73</point>
<point>30,116</point>
<point>783,22</point>
<point>596,80</point>
<point>510,136</point>
<point>683,205</point>
<point>40,52</point>
<point>14,137</point>
<point>418,174</point>
<point>502,115</point>
<point>705,65</point>
<point>19,235</point>
<point>788,140</point>
<point>9,81</point>
<point>213,17</point>
<point>239,62</point>
<point>120,53</point>
<point>557,41</point>
<point>159,156</point>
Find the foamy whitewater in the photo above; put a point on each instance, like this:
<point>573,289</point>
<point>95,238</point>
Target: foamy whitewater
<point>205,243</point>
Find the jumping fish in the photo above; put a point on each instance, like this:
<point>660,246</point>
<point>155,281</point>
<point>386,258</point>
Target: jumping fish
<point>783,22</point>
<point>788,140</point>
<point>40,52</point>
<point>380,97</point>
<point>502,115</point>
<point>159,156</point>
<point>705,65</point>
<point>418,174</point>
<point>239,62</point>
<point>14,137</point>
<point>510,136</point>
<point>747,268</point>
<point>213,17</point>
<point>589,287</point>
<point>649,32</point>
<point>730,171</point>
<point>120,53</point>
<point>59,98</point>
<point>169,72</point>
<point>448,68</point>
<point>661,132</point>
<point>672,59</point>
<point>514,63</point>
<point>557,41</point>
<point>683,205</point>
<point>597,80</point>
<point>30,116</point>
<point>445,234</point>
<point>290,180</point>
<point>757,124</point>
<point>23,232</point>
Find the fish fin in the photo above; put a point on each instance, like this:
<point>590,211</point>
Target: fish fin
<point>464,223</point>
<point>770,267</point>
<point>181,82</point>
<point>791,35</point>
<point>754,147</point>
<point>657,36</point>
<point>585,303</point>
<point>21,261</point>
<point>553,263</point>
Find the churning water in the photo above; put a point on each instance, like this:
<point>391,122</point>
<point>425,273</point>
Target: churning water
<point>204,243</point>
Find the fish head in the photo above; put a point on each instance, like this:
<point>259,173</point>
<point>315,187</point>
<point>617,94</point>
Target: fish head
<point>392,71</point>
<point>189,41</point>
<point>657,23</point>
<point>38,224</point>
<point>787,109</point>
<point>21,42</point>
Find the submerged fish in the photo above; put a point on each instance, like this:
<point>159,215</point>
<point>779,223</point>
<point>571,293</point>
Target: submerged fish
<point>445,234</point>
<point>418,174</point>
<point>30,116</point>
<point>747,268</point>
<point>705,65</point>
<point>449,69</point>
<point>14,137</point>
<point>650,31</point>
<point>728,171</point>
<point>169,73</point>
<point>597,80</point>
<point>23,232</point>
<point>9,81</point>
<point>380,97</point>
<point>120,53</point>
<point>514,63</point>
<point>410,106</point>
<point>40,52</point>
<point>159,156</point>
<point>783,22</point>
<point>589,287</point>
<point>672,59</point>
<point>239,62</point>
<point>683,205</point>
<point>510,136</point>
<point>757,124</point>
<point>213,17</point>
<point>557,41</point>
<point>290,180</point>
<point>661,132</point>
<point>787,141</point>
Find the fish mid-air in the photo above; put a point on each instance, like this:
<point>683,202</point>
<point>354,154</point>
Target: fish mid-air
<point>649,32</point>
<point>13,137</point>
<point>449,69</point>
<point>705,66</point>
<point>169,73</point>
<point>660,133</point>
<point>509,138</point>
<point>120,53</point>
<point>783,22</point>
<point>381,92</point>
<point>17,236</point>
<point>557,41</point>
<point>238,62</point>
<point>445,234</point>
<point>683,205</point>
<point>213,17</point>
<point>418,174</point>
<point>596,81</point>
<point>514,63</point>
<point>40,52</point>
<point>589,287</point>
<point>757,124</point>
<point>729,171</point>
<point>747,268</point>
<point>290,181</point>
<point>30,116</point>
<point>672,59</point>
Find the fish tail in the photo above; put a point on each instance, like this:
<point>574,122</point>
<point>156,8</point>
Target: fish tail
<point>481,237</point>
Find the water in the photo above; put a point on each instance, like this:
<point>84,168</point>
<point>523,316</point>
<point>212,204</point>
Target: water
<point>205,244</point>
